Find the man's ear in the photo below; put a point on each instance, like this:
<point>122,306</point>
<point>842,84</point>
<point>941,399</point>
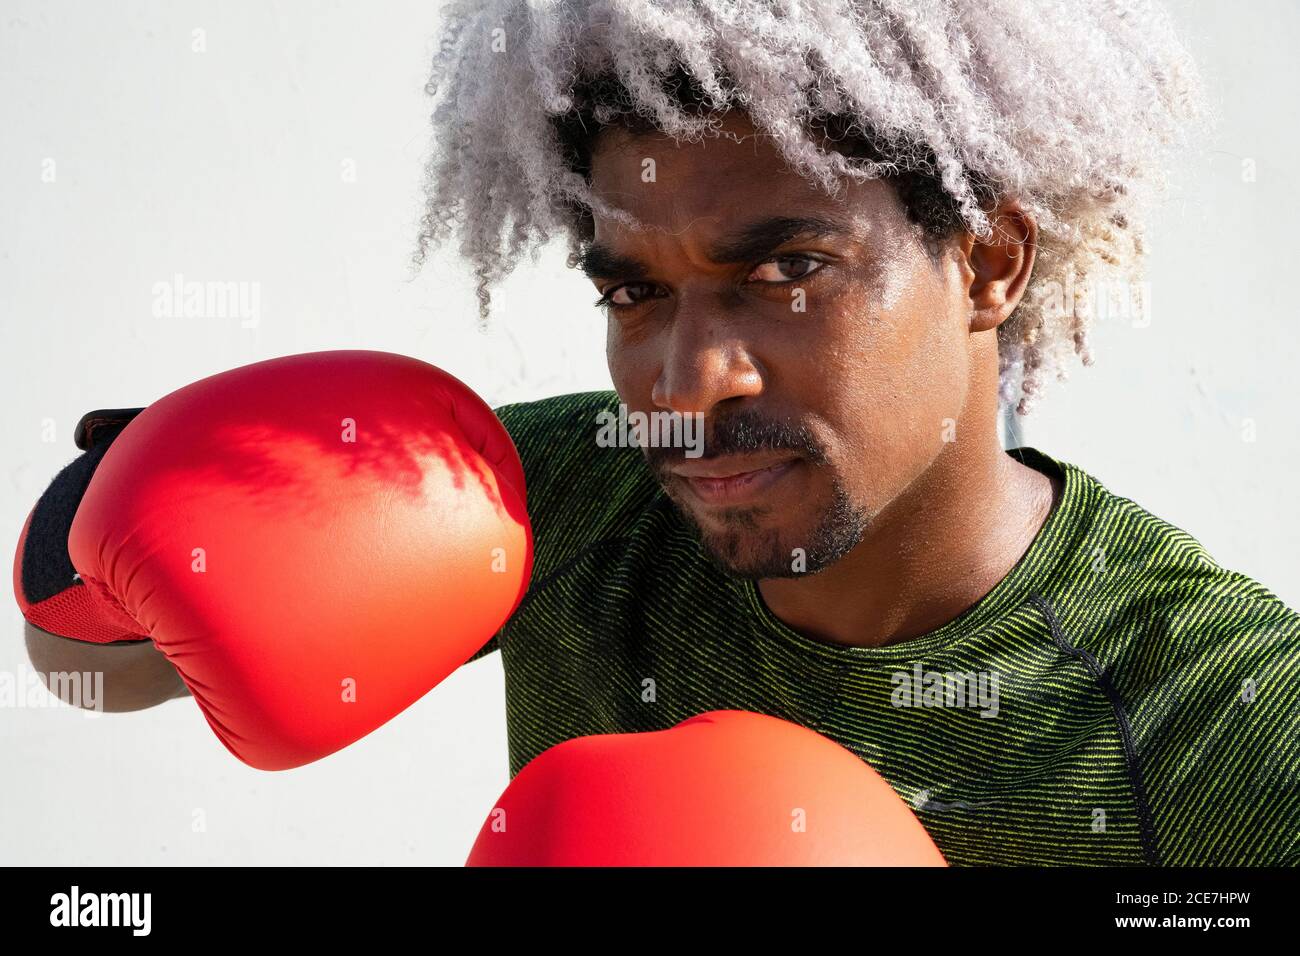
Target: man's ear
<point>999,267</point>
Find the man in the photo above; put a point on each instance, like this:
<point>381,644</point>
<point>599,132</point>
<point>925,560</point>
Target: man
<point>835,234</point>
<point>854,540</point>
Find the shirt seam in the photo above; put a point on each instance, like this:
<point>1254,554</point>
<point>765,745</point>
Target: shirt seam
<point>1132,759</point>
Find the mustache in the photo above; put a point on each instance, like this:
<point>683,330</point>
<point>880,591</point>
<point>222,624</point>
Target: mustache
<point>744,432</point>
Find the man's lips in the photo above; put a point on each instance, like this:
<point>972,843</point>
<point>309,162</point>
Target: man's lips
<point>729,466</point>
<point>734,479</point>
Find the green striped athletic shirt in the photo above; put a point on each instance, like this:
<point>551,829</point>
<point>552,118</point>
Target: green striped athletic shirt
<point>1146,707</point>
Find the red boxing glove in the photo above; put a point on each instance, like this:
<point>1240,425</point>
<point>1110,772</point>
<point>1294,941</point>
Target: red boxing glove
<point>313,541</point>
<point>725,788</point>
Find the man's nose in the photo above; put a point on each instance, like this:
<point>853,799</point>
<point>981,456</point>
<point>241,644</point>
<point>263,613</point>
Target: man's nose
<point>705,363</point>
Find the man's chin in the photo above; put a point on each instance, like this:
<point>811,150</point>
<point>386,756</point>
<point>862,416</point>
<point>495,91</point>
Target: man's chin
<point>741,557</point>
<point>742,546</point>
<point>739,543</point>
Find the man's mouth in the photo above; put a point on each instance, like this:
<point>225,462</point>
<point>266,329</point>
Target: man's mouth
<point>735,479</point>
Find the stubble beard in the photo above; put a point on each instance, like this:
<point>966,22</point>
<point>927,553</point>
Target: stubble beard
<point>743,545</point>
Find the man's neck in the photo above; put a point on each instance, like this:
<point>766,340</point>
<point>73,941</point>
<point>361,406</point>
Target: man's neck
<point>931,554</point>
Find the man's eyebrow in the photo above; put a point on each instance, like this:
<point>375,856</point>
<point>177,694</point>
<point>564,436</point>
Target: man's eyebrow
<point>599,261</point>
<point>759,238</point>
<point>750,242</point>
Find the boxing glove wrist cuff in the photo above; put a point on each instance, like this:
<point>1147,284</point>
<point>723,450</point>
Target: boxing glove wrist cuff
<point>49,593</point>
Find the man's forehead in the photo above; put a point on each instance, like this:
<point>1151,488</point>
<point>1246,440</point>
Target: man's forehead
<point>711,187</point>
<point>657,174</point>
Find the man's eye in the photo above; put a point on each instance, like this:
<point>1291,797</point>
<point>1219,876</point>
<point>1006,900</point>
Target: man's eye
<point>775,271</point>
<point>618,296</point>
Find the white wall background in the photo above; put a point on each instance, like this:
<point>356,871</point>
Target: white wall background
<point>228,165</point>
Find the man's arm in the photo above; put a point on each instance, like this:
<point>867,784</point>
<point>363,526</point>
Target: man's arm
<point>136,674</point>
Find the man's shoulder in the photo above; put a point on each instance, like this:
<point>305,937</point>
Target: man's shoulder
<point>562,421</point>
<point>1123,562</point>
<point>1146,597</point>
<point>579,488</point>
<point>556,440</point>
<point>571,407</point>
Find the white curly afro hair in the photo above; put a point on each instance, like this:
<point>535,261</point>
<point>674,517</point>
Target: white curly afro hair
<point>1070,106</point>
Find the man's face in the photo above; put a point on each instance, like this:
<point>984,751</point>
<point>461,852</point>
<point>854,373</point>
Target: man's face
<point>826,349</point>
